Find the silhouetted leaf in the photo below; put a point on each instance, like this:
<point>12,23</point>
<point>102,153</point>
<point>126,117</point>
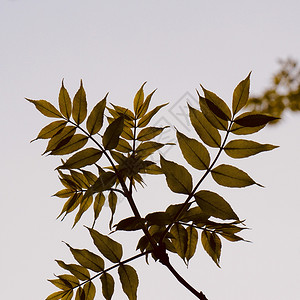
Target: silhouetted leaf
<point>146,118</point>
<point>195,214</point>
<point>160,218</point>
<point>152,169</point>
<point>180,239</point>
<point>95,119</point>
<point>112,134</point>
<point>108,285</point>
<point>138,100</point>
<point>127,133</point>
<point>212,245</point>
<point>65,104</point>
<point>253,119</point>
<point>192,240</point>
<point>78,271</point>
<point>129,281</point>
<point>76,142</point>
<point>214,205</point>
<point>194,152</point>
<point>46,108</point>
<point>90,177</point>
<point>112,201</point>
<point>209,134</point>
<point>149,133</point>
<point>147,148</point>
<point>98,204</point>
<point>245,148</point>
<point>123,146</point>
<point>82,158</point>
<point>89,291</point>
<point>241,130</point>
<point>178,178</point>
<point>51,129</point>
<point>79,110</point>
<point>111,249</point>
<point>231,176</point>
<point>241,95</point>
<point>130,224</point>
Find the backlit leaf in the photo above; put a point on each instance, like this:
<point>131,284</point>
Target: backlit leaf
<point>84,205</point>
<point>46,108</point>
<point>192,240</point>
<point>89,291</point>
<point>112,133</point>
<point>82,158</point>
<point>241,130</point>
<point>180,239</point>
<point>209,134</point>
<point>147,148</point>
<point>158,218</point>
<point>98,204</point>
<point>78,271</point>
<point>195,214</point>
<point>145,105</point>
<point>245,148</point>
<point>130,224</point>
<point>68,296</point>
<point>241,95</point>
<point>95,119</point>
<point>129,281</point>
<point>65,193</point>
<point>147,117</point>
<point>80,295</point>
<point>57,295</point>
<point>79,110</point>
<point>108,285</point>
<point>51,129</point>
<point>178,178</point>
<point>138,100</point>
<point>112,202</point>
<point>65,104</point>
<point>71,279</point>
<point>214,205</point>
<point>61,284</point>
<point>71,204</point>
<point>80,179</point>
<point>149,133</point>
<point>253,119</point>
<point>230,176</point>
<point>111,249</point>
<point>194,152</point>
<point>76,142</point>
<point>123,146</point>
<point>212,245</point>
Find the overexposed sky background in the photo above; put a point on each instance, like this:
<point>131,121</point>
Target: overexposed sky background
<point>115,46</point>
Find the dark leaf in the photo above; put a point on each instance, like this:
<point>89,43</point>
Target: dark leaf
<point>192,240</point>
<point>112,134</point>
<point>180,239</point>
<point>212,245</point>
<point>241,95</point>
<point>108,285</point>
<point>129,280</point>
<point>76,142</point>
<point>130,224</point>
<point>95,120</point>
<point>253,119</point>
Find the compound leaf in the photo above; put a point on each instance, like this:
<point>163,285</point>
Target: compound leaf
<point>79,110</point>
<point>212,245</point>
<point>64,101</point>
<point>95,119</point>
<point>111,249</point>
<point>241,95</point>
<point>129,280</point>
<point>178,178</point>
<point>194,152</point>
<point>108,285</point>
<point>46,108</point>
<point>112,133</point>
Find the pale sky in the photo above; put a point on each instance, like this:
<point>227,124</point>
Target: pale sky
<point>114,46</point>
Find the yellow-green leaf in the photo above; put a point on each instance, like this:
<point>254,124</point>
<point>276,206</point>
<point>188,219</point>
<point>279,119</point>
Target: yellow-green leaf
<point>147,117</point>
<point>76,142</point>
<point>57,295</point>
<point>46,108</point>
<point>84,205</point>
<point>112,133</point>
<point>245,148</point>
<point>149,133</point>
<point>209,134</point>
<point>71,279</point>
<point>64,100</point>
<point>178,178</point>
<point>129,280</point>
<point>194,152</point>
<point>65,193</point>
<point>51,129</point>
<point>214,205</point>
<point>82,158</point>
<point>230,176</point>
<point>80,295</point>
<point>79,110</point>
<point>241,95</point>
<point>68,296</point>
<point>78,271</point>
<point>138,100</point>
<point>95,120</point>
<point>111,249</point>
<point>89,291</point>
<point>180,239</point>
<point>98,204</point>
<point>147,148</point>
<point>108,285</point>
<point>192,240</point>
<point>212,245</point>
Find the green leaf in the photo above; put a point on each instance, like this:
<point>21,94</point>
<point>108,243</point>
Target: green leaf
<point>180,239</point>
<point>241,95</point>
<point>147,117</point>
<point>78,271</point>
<point>46,108</point>
<point>231,176</point>
<point>130,224</point>
<point>145,105</point>
<point>214,205</point>
<point>98,204</point>
<point>108,285</point>
<point>112,133</point>
<point>192,240</point>
<point>194,152</point>
<point>209,134</point>
<point>111,249</point>
<point>253,119</point>
<point>129,281</point>
<point>88,259</point>
<point>178,178</point>
<point>84,205</point>
<point>79,111</point>
<point>147,148</point>
<point>64,100</point>
<point>57,295</point>
<point>245,148</point>
<point>76,142</point>
<point>112,201</point>
<point>82,158</point>
<point>89,291</point>
<point>138,100</point>
<point>50,130</point>
<point>149,133</point>
<point>95,119</point>
<point>212,245</point>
